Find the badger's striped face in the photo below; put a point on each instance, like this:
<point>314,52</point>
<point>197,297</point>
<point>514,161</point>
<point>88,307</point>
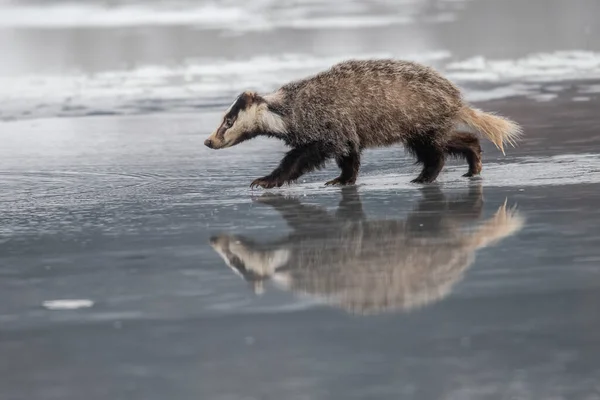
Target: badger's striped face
<point>240,122</point>
<point>245,259</point>
<point>249,116</point>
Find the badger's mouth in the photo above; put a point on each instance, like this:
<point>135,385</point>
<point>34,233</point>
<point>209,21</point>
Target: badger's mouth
<point>214,144</point>
<point>231,143</point>
<point>237,139</point>
<point>221,144</point>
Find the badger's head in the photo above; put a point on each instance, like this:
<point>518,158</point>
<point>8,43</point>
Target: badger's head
<point>250,115</point>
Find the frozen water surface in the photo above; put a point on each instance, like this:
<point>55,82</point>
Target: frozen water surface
<point>385,288</point>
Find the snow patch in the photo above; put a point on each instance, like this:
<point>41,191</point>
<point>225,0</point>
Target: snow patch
<point>72,304</point>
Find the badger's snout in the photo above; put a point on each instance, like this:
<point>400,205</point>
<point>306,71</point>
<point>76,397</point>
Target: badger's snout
<point>209,143</point>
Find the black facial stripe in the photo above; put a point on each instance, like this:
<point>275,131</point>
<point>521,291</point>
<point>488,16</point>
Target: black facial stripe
<point>239,265</point>
<point>240,104</point>
<point>223,128</point>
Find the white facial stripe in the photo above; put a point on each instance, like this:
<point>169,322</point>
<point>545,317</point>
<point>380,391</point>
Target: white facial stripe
<point>229,109</point>
<point>243,121</point>
<point>231,106</point>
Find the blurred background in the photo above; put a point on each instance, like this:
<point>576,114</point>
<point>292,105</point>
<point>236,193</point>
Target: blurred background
<point>121,56</point>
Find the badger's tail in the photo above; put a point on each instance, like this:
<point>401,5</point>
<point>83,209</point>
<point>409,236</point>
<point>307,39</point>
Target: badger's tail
<point>498,130</point>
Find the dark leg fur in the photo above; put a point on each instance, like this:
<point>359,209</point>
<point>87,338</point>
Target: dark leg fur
<point>296,163</point>
<point>349,164</point>
<point>466,145</point>
<point>428,153</point>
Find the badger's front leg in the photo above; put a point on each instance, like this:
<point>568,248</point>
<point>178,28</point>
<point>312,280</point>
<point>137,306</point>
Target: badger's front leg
<point>296,163</point>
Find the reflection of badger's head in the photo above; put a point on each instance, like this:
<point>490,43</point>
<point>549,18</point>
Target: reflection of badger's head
<point>246,260</point>
<point>249,116</point>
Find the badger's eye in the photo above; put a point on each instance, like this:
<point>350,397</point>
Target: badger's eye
<point>228,123</point>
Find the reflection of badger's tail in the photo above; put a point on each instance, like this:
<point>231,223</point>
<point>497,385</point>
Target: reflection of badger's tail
<point>498,130</point>
<point>504,223</point>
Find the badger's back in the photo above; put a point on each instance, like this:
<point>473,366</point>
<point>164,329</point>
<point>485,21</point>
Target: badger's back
<point>371,102</point>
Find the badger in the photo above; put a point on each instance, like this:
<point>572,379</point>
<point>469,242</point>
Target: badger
<point>369,266</point>
<point>360,104</point>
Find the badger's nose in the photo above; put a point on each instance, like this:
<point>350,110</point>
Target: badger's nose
<point>208,143</point>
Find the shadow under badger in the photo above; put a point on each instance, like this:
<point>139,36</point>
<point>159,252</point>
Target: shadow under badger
<point>369,266</point>
<point>361,104</point>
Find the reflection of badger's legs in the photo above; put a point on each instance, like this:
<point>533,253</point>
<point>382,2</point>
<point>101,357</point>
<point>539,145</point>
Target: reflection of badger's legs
<point>436,213</point>
<point>350,205</point>
<point>349,164</point>
<point>469,207</point>
<point>297,162</point>
<point>297,215</point>
<point>466,145</point>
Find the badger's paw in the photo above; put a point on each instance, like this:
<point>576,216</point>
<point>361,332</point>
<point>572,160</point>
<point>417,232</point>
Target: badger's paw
<point>420,180</point>
<point>339,181</point>
<point>266,182</point>
<point>472,175</point>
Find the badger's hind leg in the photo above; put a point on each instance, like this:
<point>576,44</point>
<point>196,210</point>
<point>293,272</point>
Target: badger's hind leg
<point>430,153</point>
<point>349,164</point>
<point>296,163</point>
<point>466,145</point>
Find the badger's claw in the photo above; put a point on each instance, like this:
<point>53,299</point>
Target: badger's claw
<point>472,175</point>
<point>266,182</point>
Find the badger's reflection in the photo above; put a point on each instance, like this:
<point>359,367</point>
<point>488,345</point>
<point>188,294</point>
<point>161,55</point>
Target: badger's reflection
<point>369,266</point>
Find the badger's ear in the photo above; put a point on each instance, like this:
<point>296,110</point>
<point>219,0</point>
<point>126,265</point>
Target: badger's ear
<point>249,98</point>
<point>245,99</point>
